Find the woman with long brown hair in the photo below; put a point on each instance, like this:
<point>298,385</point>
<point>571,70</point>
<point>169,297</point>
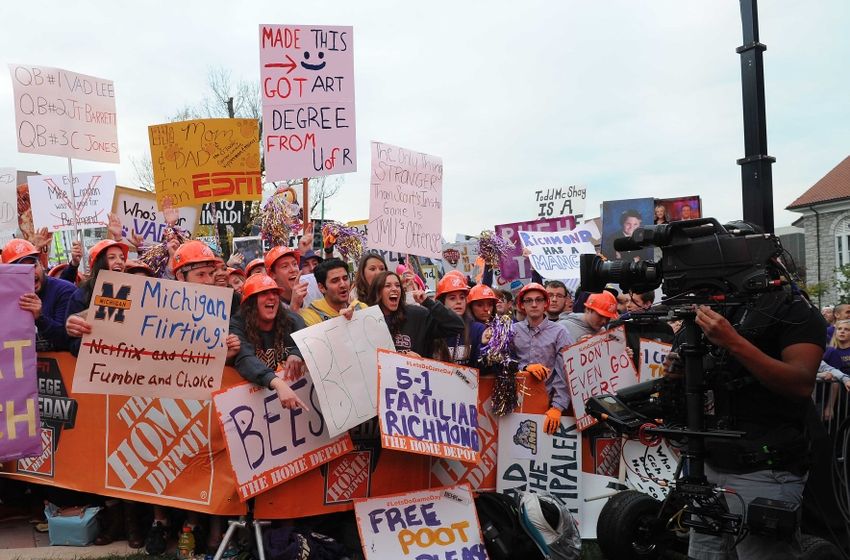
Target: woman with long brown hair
<point>371,264</point>
<point>413,327</point>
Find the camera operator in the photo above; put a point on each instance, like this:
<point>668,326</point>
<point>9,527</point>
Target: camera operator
<point>773,350</point>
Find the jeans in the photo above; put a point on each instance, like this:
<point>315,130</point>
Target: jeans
<point>774,484</point>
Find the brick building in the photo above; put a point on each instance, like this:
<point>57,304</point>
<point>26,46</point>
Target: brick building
<point>825,210</point>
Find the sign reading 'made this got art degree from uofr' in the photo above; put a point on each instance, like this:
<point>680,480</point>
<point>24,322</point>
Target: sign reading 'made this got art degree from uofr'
<point>152,337</point>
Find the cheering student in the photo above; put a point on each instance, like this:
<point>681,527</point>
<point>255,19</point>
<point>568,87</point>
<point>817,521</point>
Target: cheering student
<point>256,266</point>
<point>482,303</point>
<point>332,279</point>
<point>537,345</point>
<point>264,327</point>
<point>48,302</point>
<point>220,276</point>
<point>371,264</point>
<point>236,279</point>
<point>413,327</point>
<point>463,348</point>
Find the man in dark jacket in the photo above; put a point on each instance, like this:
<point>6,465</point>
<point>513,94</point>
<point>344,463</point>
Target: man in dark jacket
<point>48,302</point>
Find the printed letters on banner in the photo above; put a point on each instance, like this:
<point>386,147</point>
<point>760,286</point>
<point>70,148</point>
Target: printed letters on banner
<point>597,366</point>
<point>269,444</point>
<point>341,359</point>
<point>428,407</point>
<point>57,209</point>
<point>62,113</point>
<point>152,337</point>
<point>206,160</point>
<point>307,81</point>
<point>438,523</point>
<point>530,460</point>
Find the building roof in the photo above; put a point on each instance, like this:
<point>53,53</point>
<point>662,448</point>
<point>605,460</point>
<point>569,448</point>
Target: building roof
<point>832,187</point>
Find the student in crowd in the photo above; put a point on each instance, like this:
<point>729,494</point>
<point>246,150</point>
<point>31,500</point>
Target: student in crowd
<point>220,276</point>
<point>537,345</point>
<point>463,348</point>
<point>410,281</point>
<point>48,302</point>
<point>839,313</point>
<point>256,266</point>
<point>104,255</point>
<point>482,303</point>
<point>599,309</point>
<point>309,261</point>
<point>560,299</point>
<point>505,304</point>
<point>236,279</point>
<point>371,264</point>
<point>265,328</point>
<point>837,354</point>
<point>413,327</point>
<point>333,281</point>
<point>139,268</point>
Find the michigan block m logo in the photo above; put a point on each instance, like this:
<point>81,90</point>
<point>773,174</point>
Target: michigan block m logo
<point>111,306</point>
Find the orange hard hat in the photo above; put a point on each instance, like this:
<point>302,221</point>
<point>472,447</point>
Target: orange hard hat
<point>279,252</point>
<point>254,264</point>
<point>238,271</point>
<point>531,287</point>
<point>457,273</point>
<point>56,271</point>
<point>193,252</point>
<point>17,249</point>
<point>481,292</point>
<point>451,283</point>
<point>259,283</point>
<point>603,303</point>
<point>133,267</point>
<point>102,246</point>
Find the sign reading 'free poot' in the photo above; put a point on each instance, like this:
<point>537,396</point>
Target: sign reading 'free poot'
<point>307,83</point>
<point>62,113</point>
<point>152,337</point>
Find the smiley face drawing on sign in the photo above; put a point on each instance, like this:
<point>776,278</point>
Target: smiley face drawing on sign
<point>308,66</point>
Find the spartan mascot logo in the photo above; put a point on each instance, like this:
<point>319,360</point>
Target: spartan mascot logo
<point>526,435</point>
<point>111,306</point>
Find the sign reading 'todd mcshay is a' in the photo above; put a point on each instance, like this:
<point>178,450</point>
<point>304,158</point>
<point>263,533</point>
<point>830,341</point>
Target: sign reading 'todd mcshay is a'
<point>152,337</point>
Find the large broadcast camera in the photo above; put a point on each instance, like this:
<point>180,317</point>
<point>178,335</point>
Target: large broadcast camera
<point>702,263</point>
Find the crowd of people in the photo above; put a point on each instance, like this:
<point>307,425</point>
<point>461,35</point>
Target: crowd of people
<point>291,288</point>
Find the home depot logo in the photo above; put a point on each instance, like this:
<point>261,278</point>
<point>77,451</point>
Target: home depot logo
<point>41,465</point>
<point>159,447</point>
<point>348,477</point>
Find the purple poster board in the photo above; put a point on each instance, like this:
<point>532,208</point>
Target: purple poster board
<point>20,424</point>
<point>513,266</point>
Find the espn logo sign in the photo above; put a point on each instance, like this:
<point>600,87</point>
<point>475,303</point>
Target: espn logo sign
<point>226,183</point>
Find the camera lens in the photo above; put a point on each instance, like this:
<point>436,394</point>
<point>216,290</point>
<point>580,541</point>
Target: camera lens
<point>630,275</point>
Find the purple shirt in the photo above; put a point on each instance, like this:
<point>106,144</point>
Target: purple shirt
<point>542,345</point>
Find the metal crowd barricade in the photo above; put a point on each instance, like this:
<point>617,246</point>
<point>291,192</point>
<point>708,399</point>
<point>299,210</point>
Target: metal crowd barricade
<point>832,401</point>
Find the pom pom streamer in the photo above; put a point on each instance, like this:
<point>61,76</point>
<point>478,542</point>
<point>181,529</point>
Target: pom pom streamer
<point>492,247</point>
<point>498,351</point>
<point>157,257</point>
<point>279,220</point>
<point>348,240</point>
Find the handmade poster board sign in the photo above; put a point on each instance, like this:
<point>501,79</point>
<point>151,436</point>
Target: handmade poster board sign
<point>597,366</point>
<point>62,113</point>
<point>140,215</point>
<point>432,524</point>
<point>513,265</point>
<point>530,460</point>
<point>206,160</point>
<point>152,337</point>
<point>650,469</point>
<point>55,207</point>
<point>406,201</point>
<point>20,431</point>
<point>652,354</point>
<point>428,407</point>
<point>556,256</point>
<point>551,202</point>
<point>341,358</point>
<point>269,444</point>
<point>307,92</point>
<point>8,204</point>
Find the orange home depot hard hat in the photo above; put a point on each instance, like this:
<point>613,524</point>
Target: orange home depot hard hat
<point>532,287</point>
<point>254,264</point>
<point>451,283</point>
<point>102,246</point>
<point>237,271</point>
<point>56,271</point>
<point>193,252</point>
<point>135,266</point>
<point>603,303</point>
<point>481,292</point>
<point>279,252</point>
<point>17,249</point>
<point>457,273</point>
<point>259,283</point>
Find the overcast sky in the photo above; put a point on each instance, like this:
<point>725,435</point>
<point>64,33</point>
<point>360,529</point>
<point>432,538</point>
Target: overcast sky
<point>632,98</point>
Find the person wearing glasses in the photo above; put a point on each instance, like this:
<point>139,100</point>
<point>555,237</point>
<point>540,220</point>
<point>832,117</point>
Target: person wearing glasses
<point>537,345</point>
<point>560,299</point>
<point>48,302</point>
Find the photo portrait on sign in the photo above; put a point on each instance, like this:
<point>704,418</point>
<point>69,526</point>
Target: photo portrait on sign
<point>249,247</point>
<point>674,209</point>
<point>619,219</point>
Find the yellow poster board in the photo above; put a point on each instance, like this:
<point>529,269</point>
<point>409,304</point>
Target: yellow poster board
<point>206,160</point>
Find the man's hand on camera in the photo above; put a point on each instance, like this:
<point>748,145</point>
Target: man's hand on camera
<point>716,328</point>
